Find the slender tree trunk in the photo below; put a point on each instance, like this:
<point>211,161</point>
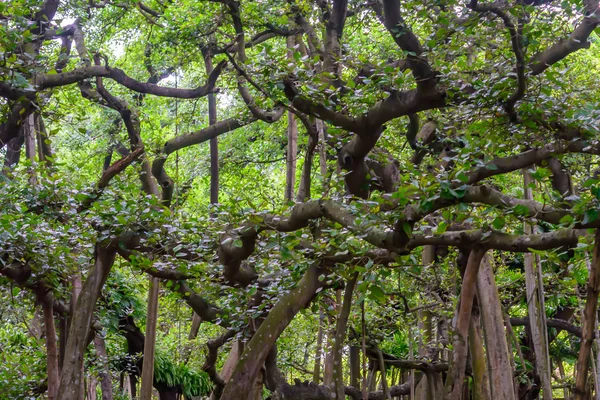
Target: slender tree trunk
<point>536,308</point>
<point>91,388</point>
<point>71,377</point>
<point>292,150</point>
<point>411,350</point>
<point>340,335</point>
<point>104,373</point>
<point>481,383</point>
<point>500,370</point>
<point>292,137</point>
<point>150,342</point>
<point>277,320</point>
<point>328,362</point>
<point>329,354</point>
<point>319,350</point>
<point>384,385</point>
<point>597,364</point>
<point>588,323</point>
<point>456,375</point>
<point>364,387</point>
<point>354,364</point>
<point>51,350</point>
<point>563,379</point>
<point>321,131</point>
<point>232,359</point>
<point>422,390</point>
<point>196,321</point>
<point>214,166</point>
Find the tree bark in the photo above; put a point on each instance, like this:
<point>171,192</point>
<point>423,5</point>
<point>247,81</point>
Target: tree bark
<point>150,342</point>
<point>51,350</point>
<point>340,335</point>
<point>292,137</point>
<point>292,150</point>
<point>354,363</point>
<point>104,373</point>
<point>423,389</point>
<point>481,383</point>
<point>535,305</point>
<point>319,350</point>
<point>499,365</point>
<point>72,377</point>
<point>384,385</point>
<point>456,375</point>
<point>588,323</point>
<point>255,353</point>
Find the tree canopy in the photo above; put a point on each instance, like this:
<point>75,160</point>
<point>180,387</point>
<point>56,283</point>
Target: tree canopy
<point>294,199</point>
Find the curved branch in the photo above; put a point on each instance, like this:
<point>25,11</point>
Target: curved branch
<point>517,49</point>
<point>577,40</point>
<point>119,76</point>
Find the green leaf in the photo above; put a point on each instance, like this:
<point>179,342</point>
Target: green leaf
<point>498,223</point>
<point>590,216</point>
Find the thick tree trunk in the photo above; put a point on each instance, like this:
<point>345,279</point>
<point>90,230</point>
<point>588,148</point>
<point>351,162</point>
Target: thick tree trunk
<point>150,342</point>
<point>340,335</point>
<point>456,375</point>
<point>535,305</point>
<point>500,370</point>
<point>104,373</point>
<point>588,323</point>
<point>255,353</point>
<point>72,378</point>
<point>51,350</point>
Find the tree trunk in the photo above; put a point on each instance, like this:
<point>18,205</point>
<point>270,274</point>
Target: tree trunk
<point>500,370</point>
<point>292,137</point>
<point>91,388</point>
<point>354,364</point>
<point>232,359</point>
<point>456,375</point>
<point>76,290</point>
<point>319,350</point>
<point>384,385</point>
<point>481,383</point>
<point>72,378</point>
<point>535,305</point>
<point>13,151</point>
<point>51,350</point>
<point>104,373</point>
<point>292,149</point>
<point>588,323</point>
<point>340,335</point>
<point>150,342</point>
<point>422,390</point>
<point>214,166</point>
<point>255,353</point>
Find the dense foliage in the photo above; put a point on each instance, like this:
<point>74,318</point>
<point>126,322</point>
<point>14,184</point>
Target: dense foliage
<point>381,198</point>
